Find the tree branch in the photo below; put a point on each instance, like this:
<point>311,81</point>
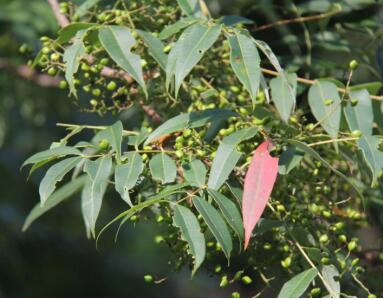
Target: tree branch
<point>61,19</point>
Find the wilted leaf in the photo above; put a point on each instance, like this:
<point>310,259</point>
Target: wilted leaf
<point>259,183</point>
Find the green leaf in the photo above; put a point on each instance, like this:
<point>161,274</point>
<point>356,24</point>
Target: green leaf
<point>85,7</point>
<point>282,97</point>
<point>215,223</point>
<point>54,175</point>
<point>195,173</point>
<point>266,50</point>
<point>98,174</point>
<point>328,115</point>
<point>227,157</point>
<point>187,222</point>
<point>333,286</point>
<point>118,42</point>
<point>176,27</point>
<point>114,136</point>
<point>371,87</point>
<point>54,199</point>
<point>72,57</point>
<point>189,120</point>
<point>232,20</point>
<point>189,50</point>
<point>51,154</point>
<point>229,211</point>
<point>290,159</point>
<point>126,175</point>
<point>245,61</point>
<point>170,190</point>
<point>156,48</point>
<point>369,145</point>
<point>308,150</point>
<point>297,285</point>
<point>67,33</point>
<point>163,168</point>
<point>361,116</point>
<point>191,8</point>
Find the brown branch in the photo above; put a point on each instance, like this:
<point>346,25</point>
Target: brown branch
<point>106,71</point>
<point>27,73</point>
<point>312,82</point>
<point>61,18</point>
<point>298,20</point>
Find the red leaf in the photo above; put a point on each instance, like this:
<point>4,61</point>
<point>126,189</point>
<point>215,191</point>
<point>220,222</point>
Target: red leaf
<point>259,182</point>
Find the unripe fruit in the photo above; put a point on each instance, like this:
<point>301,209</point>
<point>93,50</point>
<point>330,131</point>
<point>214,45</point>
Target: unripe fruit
<point>96,92</point>
<point>325,260</point>
<point>246,280</point>
<point>55,56</point>
<point>356,133</point>
<point>323,239</point>
<point>342,238</point>
<point>315,292</point>
<point>353,65</point>
<point>354,102</point>
<point>286,262</point>
<point>111,86</point>
<point>158,239</point>
<point>218,269</point>
<point>159,218</point>
<point>328,102</point>
<point>46,50</point>
<point>235,89</point>
<point>235,295</point>
<point>52,71</point>
<point>148,278</point>
<point>224,282</point>
<point>104,144</point>
<point>351,245</point>
<point>354,262</point>
<point>93,102</point>
<point>63,84</point>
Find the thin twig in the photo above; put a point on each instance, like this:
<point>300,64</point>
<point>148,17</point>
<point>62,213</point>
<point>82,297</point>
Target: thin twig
<point>298,20</point>
<point>125,132</point>
<point>61,18</point>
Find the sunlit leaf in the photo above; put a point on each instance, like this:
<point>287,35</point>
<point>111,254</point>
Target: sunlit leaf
<point>118,42</point>
<point>360,116</point>
<point>296,286</point>
<point>163,168</point>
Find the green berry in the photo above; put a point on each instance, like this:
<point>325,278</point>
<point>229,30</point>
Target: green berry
<point>356,133</point>
<point>351,245</point>
<point>328,102</point>
<point>158,239</point>
<point>323,239</point>
<point>354,102</point>
<point>342,238</point>
<point>218,269</point>
<point>315,292</point>
<point>111,86</point>
<point>148,278</point>
<point>246,280</point>
<point>224,282</point>
<point>45,50</point>
<point>63,84</point>
<point>235,89</point>
<point>354,262</point>
<point>325,260</point>
<point>103,144</point>
<point>235,295</point>
<point>286,262</point>
<point>52,71</point>
<point>55,56</point>
<point>96,92</point>
<point>93,102</point>
<point>353,65</point>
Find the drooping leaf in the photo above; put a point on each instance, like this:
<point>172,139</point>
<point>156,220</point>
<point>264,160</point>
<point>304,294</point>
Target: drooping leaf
<point>189,120</point>
<point>98,174</point>
<point>245,61</point>
<point>369,145</point>
<point>191,8</point>
<point>229,211</point>
<point>289,159</point>
<point>360,116</point>
<point>227,157</point>
<point>54,175</point>
<point>195,173</point>
<point>282,97</point>
<point>72,57</point>
<point>85,7</point>
<point>266,50</point>
<point>156,48</point>
<point>54,199</point>
<point>114,136</point>
<point>332,285</point>
<point>296,286</point>
<point>310,151</point>
<point>259,183</point>
<point>67,33</point>
<point>163,168</point>
<point>53,153</point>
<point>118,42</point>
<point>176,27</point>
<point>187,222</point>
<point>325,104</point>
<point>189,50</point>
<point>126,175</point>
<point>215,223</point>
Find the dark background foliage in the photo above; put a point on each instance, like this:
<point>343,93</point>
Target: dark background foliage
<point>54,258</point>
